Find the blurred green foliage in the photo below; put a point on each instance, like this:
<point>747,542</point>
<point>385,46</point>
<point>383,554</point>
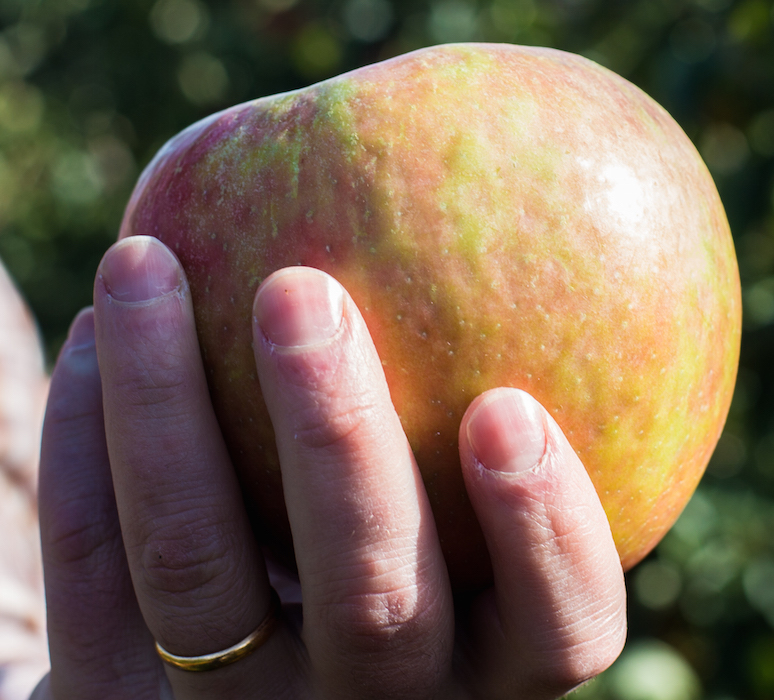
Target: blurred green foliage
<point>89,89</point>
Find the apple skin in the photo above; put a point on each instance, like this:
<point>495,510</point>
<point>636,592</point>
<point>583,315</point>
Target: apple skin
<point>502,216</point>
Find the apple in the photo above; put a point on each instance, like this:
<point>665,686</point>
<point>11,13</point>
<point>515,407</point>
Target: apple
<point>503,216</point>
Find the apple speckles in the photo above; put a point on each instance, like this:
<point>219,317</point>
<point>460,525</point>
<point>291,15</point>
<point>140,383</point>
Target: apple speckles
<point>512,261</point>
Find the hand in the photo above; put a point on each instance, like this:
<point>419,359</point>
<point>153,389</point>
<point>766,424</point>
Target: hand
<point>162,550</point>
<point>23,386</point>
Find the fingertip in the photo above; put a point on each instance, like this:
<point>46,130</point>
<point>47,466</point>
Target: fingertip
<point>81,333</point>
<point>299,307</point>
<point>138,269</point>
<point>505,431</point>
<point>142,309</point>
<point>78,355</point>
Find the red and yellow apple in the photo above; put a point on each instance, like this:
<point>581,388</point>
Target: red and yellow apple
<point>503,216</point>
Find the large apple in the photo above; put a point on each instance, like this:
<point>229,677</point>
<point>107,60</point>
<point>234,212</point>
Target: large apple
<point>503,216</point>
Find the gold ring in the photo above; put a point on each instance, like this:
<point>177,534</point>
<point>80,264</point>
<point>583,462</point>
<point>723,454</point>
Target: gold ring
<point>209,662</point>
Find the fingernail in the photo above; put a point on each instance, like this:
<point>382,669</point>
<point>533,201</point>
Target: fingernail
<point>81,335</point>
<point>140,268</point>
<point>79,353</point>
<point>506,431</point>
<point>299,306</point>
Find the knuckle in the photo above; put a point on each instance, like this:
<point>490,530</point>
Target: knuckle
<point>183,563</point>
<point>378,621</point>
<point>72,415</point>
<point>152,386</point>
<point>81,534</point>
<point>391,642</point>
<point>65,416</point>
<point>386,608</point>
<point>155,373</point>
<point>338,429</point>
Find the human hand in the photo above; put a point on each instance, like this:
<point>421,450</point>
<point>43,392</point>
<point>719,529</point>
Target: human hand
<point>23,385</point>
<point>162,549</point>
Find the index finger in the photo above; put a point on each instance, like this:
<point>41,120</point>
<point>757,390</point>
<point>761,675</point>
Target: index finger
<point>559,601</point>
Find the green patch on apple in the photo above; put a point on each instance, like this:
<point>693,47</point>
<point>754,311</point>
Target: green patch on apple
<point>503,216</point>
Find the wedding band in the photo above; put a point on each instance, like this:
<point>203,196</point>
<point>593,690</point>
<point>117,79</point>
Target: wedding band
<point>218,659</point>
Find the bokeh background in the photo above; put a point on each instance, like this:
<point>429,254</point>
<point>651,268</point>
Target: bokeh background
<point>89,90</point>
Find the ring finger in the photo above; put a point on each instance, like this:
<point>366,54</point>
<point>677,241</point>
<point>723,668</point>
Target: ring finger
<point>198,575</point>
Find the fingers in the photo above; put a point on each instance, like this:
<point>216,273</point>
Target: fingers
<point>378,618</point>
<point>377,605</point>
<point>558,604</point>
<point>97,638</point>
<point>198,575</point>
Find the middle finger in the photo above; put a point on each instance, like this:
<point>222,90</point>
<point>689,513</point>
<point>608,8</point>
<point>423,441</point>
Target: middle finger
<point>377,606</point>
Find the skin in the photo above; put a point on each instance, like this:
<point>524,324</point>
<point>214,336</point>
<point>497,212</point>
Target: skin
<point>503,216</point>
<point>145,533</point>
<point>23,386</point>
